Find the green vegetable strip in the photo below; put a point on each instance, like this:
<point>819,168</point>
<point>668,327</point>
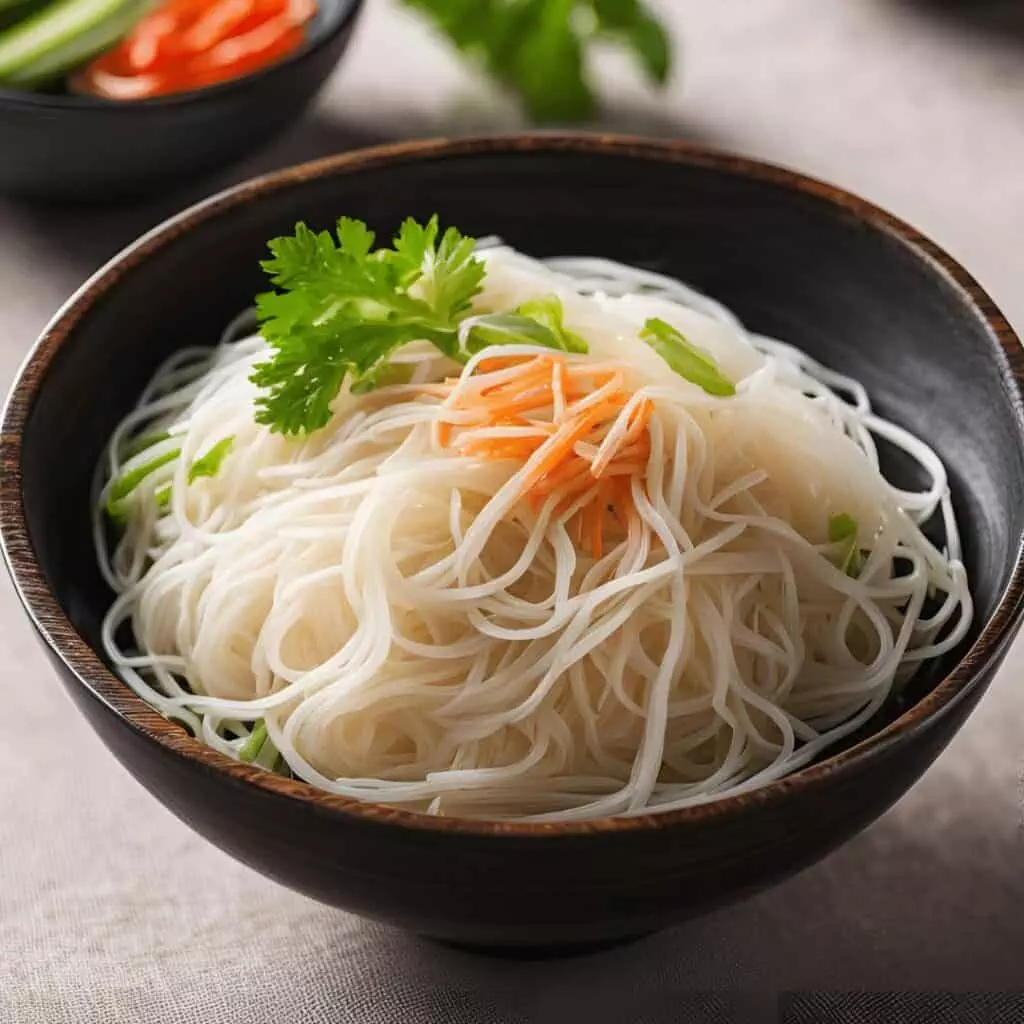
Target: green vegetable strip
<point>547,311</point>
<point>163,496</point>
<point>13,11</point>
<point>139,444</point>
<point>686,359</point>
<point>210,463</point>
<point>537,323</point>
<point>61,36</point>
<point>251,748</point>
<point>127,482</point>
<point>843,529</point>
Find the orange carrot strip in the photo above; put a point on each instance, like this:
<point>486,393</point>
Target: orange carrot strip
<point>562,443</point>
<point>539,368</point>
<point>570,470</point>
<point>606,393</point>
<point>495,363</point>
<point>523,403</point>
<point>506,448</point>
<point>558,391</point>
<point>516,386</point>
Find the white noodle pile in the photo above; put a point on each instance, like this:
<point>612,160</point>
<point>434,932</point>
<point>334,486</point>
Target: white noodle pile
<point>414,634</point>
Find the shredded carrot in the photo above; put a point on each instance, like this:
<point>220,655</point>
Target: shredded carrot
<point>496,363</point>
<point>564,443</point>
<point>569,410</point>
<point>505,448</point>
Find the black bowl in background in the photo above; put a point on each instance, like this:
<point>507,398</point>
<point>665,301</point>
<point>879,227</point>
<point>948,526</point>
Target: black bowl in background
<point>76,147</point>
<point>856,288</point>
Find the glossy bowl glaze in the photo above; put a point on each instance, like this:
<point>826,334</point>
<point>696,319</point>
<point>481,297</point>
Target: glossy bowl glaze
<point>85,148</point>
<point>856,288</point>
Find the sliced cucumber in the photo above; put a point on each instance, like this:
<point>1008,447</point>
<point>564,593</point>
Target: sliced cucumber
<point>13,11</point>
<point>62,36</point>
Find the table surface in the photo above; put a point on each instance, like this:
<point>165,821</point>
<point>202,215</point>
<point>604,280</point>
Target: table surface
<point>112,910</point>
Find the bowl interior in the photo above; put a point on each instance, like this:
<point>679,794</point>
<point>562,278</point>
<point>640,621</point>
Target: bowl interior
<point>791,261</point>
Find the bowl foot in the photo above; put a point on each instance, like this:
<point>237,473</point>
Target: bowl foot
<point>553,951</point>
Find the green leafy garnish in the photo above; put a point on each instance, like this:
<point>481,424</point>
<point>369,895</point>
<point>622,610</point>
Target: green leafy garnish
<point>629,23</point>
<point>539,48</point>
<point>123,485</point>
<point>386,375</point>
<point>342,308</point>
<point>547,310</point>
<point>251,748</point>
<point>538,322</point>
<point>210,463</point>
<point>139,444</point>
<point>686,359</point>
<point>842,529</point>
<point>163,496</point>
<point>508,329</point>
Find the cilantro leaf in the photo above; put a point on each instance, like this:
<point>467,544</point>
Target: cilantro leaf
<point>210,463</point>
<point>539,48</point>
<point>342,308</point>
<point>843,529</point>
<point>452,274</point>
<point>686,359</point>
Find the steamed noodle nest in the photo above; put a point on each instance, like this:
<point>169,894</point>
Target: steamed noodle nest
<point>417,626</point>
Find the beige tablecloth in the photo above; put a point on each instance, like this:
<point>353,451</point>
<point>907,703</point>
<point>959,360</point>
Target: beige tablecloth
<point>111,910</point>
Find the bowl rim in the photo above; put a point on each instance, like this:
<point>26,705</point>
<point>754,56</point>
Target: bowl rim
<point>18,99</point>
<point>87,669</point>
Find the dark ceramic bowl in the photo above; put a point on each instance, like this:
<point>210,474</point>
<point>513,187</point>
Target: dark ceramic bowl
<point>80,147</point>
<point>856,288</point>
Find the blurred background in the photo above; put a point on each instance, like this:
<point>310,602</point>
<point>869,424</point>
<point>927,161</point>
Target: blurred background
<point>916,104</point>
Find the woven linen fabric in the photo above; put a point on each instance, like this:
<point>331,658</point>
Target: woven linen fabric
<point>111,910</point>
<point>903,1008</point>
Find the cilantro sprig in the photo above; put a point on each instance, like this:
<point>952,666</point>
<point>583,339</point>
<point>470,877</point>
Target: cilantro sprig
<point>341,308</point>
<point>539,48</point>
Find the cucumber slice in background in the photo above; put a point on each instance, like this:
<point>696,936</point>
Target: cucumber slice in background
<point>13,11</point>
<point>61,36</point>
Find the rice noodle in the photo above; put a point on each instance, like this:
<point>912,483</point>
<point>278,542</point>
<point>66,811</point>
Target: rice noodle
<point>414,633</point>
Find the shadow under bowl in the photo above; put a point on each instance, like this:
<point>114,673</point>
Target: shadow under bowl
<point>854,287</point>
<point>76,147</point>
